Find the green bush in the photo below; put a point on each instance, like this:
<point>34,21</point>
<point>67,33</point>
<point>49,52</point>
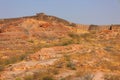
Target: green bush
<point>14,59</point>
<point>74,35</point>
<point>55,71</point>
<point>31,41</point>
<point>44,75</point>
<point>18,79</point>
<point>62,79</point>
<point>87,76</point>
<point>48,78</point>
<point>29,77</point>
<point>108,49</point>
<point>111,77</point>
<point>65,42</point>
<point>71,65</point>
<point>1,68</point>
<point>67,57</point>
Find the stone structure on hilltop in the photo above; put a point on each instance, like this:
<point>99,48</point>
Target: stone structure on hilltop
<point>56,20</point>
<point>53,19</point>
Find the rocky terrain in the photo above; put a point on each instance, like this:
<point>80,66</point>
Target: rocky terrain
<point>43,47</point>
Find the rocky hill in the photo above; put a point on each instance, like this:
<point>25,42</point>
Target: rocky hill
<point>43,47</point>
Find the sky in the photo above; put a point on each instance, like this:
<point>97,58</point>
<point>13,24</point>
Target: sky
<point>78,11</point>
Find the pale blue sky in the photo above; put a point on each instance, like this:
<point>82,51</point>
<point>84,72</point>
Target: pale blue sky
<point>79,11</point>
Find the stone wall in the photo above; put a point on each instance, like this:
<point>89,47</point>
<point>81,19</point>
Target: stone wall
<point>99,27</point>
<point>104,27</point>
<point>115,28</point>
<point>83,27</point>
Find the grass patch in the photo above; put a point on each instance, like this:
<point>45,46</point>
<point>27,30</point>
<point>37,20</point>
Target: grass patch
<point>48,78</point>
<point>43,76</point>
<point>111,77</point>
<point>18,79</point>
<point>1,68</point>
<point>29,77</point>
